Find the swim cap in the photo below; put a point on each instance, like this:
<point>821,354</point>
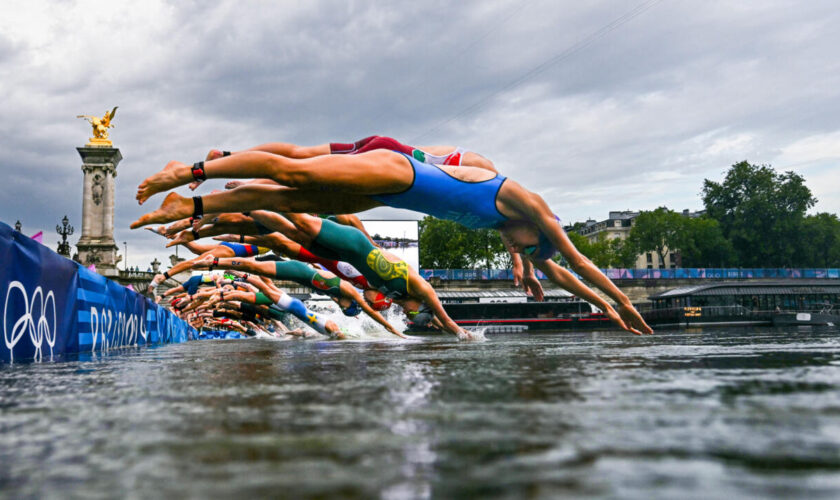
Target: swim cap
<point>380,302</point>
<point>353,309</point>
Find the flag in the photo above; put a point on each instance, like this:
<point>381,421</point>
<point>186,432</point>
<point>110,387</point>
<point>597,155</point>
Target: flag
<point>39,237</point>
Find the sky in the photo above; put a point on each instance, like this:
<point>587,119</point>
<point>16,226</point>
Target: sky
<point>597,106</point>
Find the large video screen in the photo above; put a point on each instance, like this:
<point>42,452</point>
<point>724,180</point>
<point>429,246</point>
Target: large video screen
<point>398,237</point>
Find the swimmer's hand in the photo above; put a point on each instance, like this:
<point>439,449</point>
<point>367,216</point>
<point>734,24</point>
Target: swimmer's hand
<point>468,336</point>
<point>633,320</point>
<point>397,333</point>
<point>533,287</point>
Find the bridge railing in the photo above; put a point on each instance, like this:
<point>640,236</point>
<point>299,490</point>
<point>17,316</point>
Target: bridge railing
<point>730,273</point>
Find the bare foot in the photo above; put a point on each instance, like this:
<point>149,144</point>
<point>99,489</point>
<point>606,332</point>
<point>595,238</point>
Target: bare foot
<point>181,238</point>
<point>233,184</point>
<point>214,154</point>
<point>161,230</point>
<point>174,207</point>
<point>173,229</point>
<point>174,174</point>
<point>203,262</point>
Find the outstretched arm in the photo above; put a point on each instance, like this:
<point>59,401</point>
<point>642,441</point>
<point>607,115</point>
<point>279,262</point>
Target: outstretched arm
<point>569,282</point>
<point>424,292</point>
<point>350,291</point>
<point>547,223</point>
<point>174,290</point>
<point>267,268</point>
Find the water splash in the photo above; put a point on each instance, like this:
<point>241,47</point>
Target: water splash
<point>361,327</point>
<point>474,334</point>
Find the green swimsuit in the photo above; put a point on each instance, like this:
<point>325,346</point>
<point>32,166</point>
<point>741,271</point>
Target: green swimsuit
<point>294,270</point>
<point>351,245</point>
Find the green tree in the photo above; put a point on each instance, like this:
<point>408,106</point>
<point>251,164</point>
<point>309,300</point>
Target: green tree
<point>704,244</point>
<point>603,252</point>
<point>658,231</point>
<point>485,249</point>
<point>442,244</point>
<point>448,245</point>
<point>820,241</point>
<point>624,255</point>
<point>761,212</point>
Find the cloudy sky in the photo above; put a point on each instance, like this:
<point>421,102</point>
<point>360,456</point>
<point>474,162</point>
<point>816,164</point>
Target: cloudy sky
<point>598,105</point>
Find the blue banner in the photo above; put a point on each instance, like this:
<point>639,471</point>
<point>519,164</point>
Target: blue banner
<point>54,306</point>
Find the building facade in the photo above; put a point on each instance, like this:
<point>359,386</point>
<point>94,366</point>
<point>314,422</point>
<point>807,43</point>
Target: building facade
<point>618,226</point>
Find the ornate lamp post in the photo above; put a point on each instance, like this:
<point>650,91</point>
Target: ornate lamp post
<point>64,231</point>
<point>18,226</point>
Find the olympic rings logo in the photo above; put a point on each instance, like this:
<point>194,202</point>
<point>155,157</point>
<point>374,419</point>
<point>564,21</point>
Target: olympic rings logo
<point>39,330</point>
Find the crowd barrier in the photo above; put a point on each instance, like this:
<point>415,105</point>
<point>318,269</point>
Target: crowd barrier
<point>53,306</point>
<point>617,274</point>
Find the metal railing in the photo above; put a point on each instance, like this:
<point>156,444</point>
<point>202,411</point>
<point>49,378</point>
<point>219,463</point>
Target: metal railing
<point>731,273</point>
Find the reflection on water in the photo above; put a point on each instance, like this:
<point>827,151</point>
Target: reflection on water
<point>688,414</point>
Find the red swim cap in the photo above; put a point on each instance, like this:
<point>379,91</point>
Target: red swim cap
<point>380,302</point>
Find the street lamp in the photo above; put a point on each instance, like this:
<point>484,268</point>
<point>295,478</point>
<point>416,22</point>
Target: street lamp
<point>18,226</point>
<point>125,265</point>
<point>64,230</point>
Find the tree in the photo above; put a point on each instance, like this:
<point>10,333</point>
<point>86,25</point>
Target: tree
<point>704,245</point>
<point>448,245</point>
<point>658,231</point>
<point>760,211</point>
<point>820,241</point>
<point>442,244</point>
<point>604,252</point>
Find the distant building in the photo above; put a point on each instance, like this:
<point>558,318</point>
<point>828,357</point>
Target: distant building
<point>618,226</point>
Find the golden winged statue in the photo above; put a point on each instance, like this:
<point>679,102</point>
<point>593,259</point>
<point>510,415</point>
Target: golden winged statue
<point>100,127</point>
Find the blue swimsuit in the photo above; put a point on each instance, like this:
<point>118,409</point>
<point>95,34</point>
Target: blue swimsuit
<point>435,192</point>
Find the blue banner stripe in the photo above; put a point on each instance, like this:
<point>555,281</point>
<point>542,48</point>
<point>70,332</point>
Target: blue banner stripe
<point>83,310</point>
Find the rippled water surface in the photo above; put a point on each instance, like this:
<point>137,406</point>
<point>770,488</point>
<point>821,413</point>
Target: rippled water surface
<point>683,414</point>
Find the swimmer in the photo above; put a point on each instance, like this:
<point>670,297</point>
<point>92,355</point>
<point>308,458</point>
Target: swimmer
<point>224,249</point>
<point>345,294</point>
<point>282,244</point>
<point>523,272</point>
<point>383,271</point>
<point>269,294</point>
<point>471,196</point>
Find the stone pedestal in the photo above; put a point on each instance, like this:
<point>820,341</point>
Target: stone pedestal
<point>97,245</point>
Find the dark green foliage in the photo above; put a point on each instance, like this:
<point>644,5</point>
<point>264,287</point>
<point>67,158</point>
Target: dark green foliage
<point>658,231</point>
<point>704,245</point>
<point>603,252</point>
<point>448,245</point>
<point>820,241</point>
<point>761,212</point>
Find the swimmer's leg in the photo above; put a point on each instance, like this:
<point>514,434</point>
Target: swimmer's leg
<point>256,197</point>
<point>370,173</point>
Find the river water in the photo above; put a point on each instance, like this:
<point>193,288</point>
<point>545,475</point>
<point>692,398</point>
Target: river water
<point>719,413</point>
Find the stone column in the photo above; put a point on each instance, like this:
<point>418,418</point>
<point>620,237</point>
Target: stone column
<point>97,245</point>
